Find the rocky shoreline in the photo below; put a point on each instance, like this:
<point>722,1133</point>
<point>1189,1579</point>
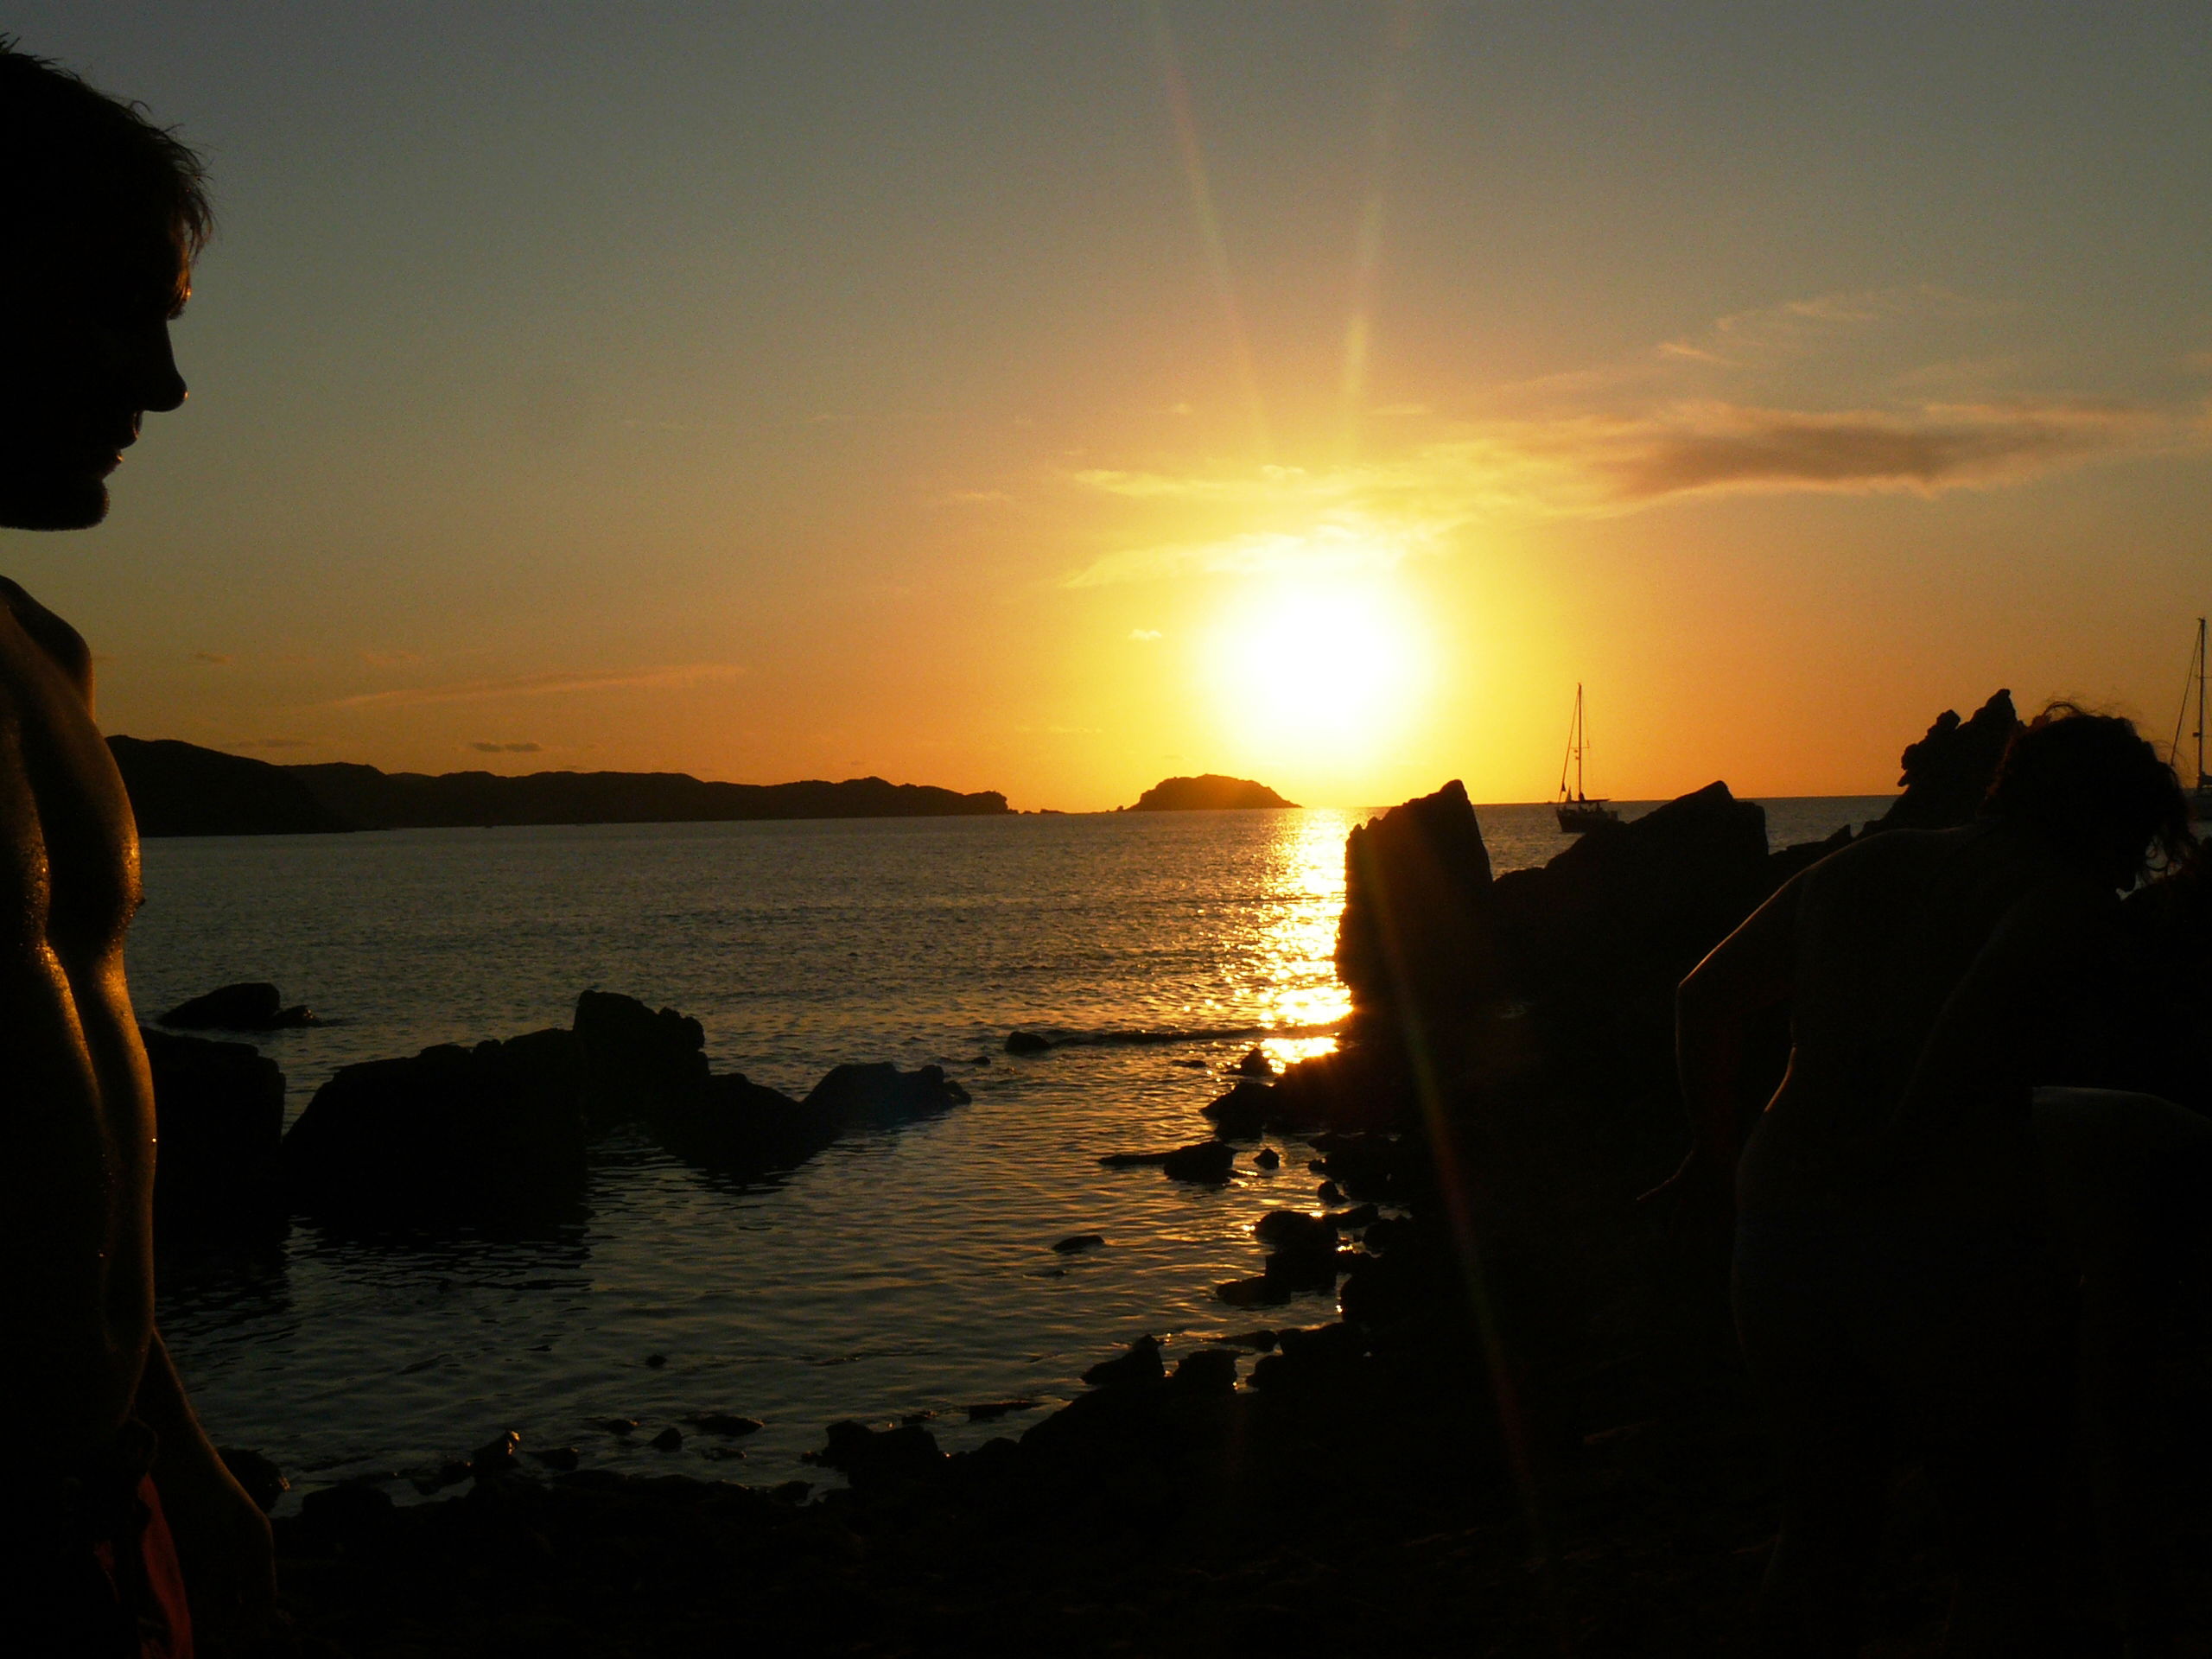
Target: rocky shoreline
<point>1526,1432</point>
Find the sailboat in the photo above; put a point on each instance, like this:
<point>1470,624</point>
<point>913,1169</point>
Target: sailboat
<point>1577,812</point>
<point>2199,795</point>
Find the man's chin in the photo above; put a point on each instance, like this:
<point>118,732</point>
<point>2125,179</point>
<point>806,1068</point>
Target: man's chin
<point>77,506</point>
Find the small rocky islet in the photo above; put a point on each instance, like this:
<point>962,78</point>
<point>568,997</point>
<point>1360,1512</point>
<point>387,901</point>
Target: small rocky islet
<point>1526,1431</point>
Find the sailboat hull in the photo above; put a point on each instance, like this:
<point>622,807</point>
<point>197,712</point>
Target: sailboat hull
<point>1575,817</point>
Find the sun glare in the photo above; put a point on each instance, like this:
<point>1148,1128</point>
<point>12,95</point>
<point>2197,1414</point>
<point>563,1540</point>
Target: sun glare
<point>1313,669</point>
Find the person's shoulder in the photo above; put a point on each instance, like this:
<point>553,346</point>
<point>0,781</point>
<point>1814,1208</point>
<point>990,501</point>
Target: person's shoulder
<point>50,633</point>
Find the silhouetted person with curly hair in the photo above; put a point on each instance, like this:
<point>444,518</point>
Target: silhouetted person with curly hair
<point>117,1510</point>
<point>1911,1275</point>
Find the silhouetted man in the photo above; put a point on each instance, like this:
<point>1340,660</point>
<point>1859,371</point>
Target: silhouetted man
<point>104,214</point>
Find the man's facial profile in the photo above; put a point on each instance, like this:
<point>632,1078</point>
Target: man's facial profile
<point>87,355</point>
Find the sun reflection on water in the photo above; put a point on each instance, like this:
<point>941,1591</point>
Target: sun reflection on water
<point>1295,955</point>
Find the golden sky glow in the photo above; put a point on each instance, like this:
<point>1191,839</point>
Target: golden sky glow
<point>1051,399</point>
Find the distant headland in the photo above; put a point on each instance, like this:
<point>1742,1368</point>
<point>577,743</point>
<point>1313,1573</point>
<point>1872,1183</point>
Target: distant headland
<point>180,788</point>
<point>1208,792</point>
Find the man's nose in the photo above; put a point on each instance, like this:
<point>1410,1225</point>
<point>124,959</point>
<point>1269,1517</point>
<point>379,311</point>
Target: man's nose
<point>160,387</point>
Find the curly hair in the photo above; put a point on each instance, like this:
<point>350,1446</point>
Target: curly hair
<point>2096,788</point>
<point>75,161</point>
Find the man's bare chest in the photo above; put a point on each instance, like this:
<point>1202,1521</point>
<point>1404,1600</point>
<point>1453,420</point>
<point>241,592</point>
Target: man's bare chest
<point>64,813</point>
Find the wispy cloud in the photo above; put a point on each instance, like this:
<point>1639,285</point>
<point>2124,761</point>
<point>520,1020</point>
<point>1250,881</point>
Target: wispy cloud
<point>541,686</point>
<point>1146,636</point>
<point>274,743</point>
<point>211,658</point>
<point>508,748</point>
<point>1337,546</point>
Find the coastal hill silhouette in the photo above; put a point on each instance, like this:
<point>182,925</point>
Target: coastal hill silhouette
<point>180,788</point>
<point>1208,792</point>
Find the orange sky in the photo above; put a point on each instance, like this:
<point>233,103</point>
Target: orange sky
<point>1050,399</point>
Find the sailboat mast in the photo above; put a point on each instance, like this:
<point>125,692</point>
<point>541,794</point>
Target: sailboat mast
<point>1582,739</point>
<point>2200,703</point>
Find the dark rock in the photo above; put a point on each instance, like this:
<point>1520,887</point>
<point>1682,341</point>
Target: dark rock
<point>1948,771</point>
<point>1141,1363</point>
<point>991,1410</point>
<point>1256,1064</point>
<point>559,1458</point>
<point>1351,1221</point>
<point>346,1519</point>
<point>1304,1248</point>
<point>1262,1339</point>
<point>612,1425</point>
<point>1207,1161</point>
<point>738,1127</point>
<point>1263,1291</point>
<point>1267,1158</point>
<point>880,1095</point>
<point>1605,932</point>
<point>1244,1110</point>
<point>1026,1042</point>
<point>656,1361</point>
<point>254,1005</point>
<point>639,1064</point>
<point>1077,1242</point>
<point>792,1492</point>
<point>725,1423</point>
<point>1190,1066</point>
<point>219,1110</point>
<point>1305,1359</point>
<point>1417,946</point>
<point>1209,1370</point>
<point>722,1454</point>
<point>1329,1193</point>
<point>669,1439</point>
<point>495,1458</point>
<point>264,1481</point>
<point>871,1459</point>
<point>453,1133</point>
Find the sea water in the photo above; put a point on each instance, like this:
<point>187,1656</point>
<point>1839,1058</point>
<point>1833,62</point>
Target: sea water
<point>905,1273</point>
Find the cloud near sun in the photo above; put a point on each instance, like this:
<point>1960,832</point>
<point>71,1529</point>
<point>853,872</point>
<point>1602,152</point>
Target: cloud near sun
<point>1602,464</point>
<point>1655,427</point>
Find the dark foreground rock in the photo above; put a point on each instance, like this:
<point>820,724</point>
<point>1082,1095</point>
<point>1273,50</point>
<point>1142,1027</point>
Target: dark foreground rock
<point>253,1005</point>
<point>220,1111</point>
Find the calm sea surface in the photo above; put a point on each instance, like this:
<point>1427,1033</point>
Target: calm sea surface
<point>905,1272</point>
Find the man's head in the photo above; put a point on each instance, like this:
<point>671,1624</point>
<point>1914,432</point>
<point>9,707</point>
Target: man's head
<point>104,214</point>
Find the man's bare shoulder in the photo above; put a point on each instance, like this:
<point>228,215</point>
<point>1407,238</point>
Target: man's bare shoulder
<point>60,642</point>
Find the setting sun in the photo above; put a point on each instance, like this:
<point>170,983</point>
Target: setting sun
<point>1307,671</point>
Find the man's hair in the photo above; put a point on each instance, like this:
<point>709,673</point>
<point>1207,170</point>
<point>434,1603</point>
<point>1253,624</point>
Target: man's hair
<point>75,161</point>
<point>2096,788</point>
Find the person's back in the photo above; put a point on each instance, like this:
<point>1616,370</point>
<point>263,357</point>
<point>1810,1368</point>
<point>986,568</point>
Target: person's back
<point>1885,933</point>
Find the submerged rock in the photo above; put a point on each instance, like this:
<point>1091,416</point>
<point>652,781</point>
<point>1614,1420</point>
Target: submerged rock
<point>1075,1243</point>
<point>1209,1162</point>
<point>1026,1042</point>
<point>881,1095</point>
<point>735,1127</point>
<point>252,1005</point>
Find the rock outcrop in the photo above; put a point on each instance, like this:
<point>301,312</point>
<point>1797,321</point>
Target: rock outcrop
<point>453,1133</point>
<point>1948,771</point>
<point>219,1109</point>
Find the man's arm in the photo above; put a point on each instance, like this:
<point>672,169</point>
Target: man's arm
<point>223,1539</point>
<point>1751,970</point>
